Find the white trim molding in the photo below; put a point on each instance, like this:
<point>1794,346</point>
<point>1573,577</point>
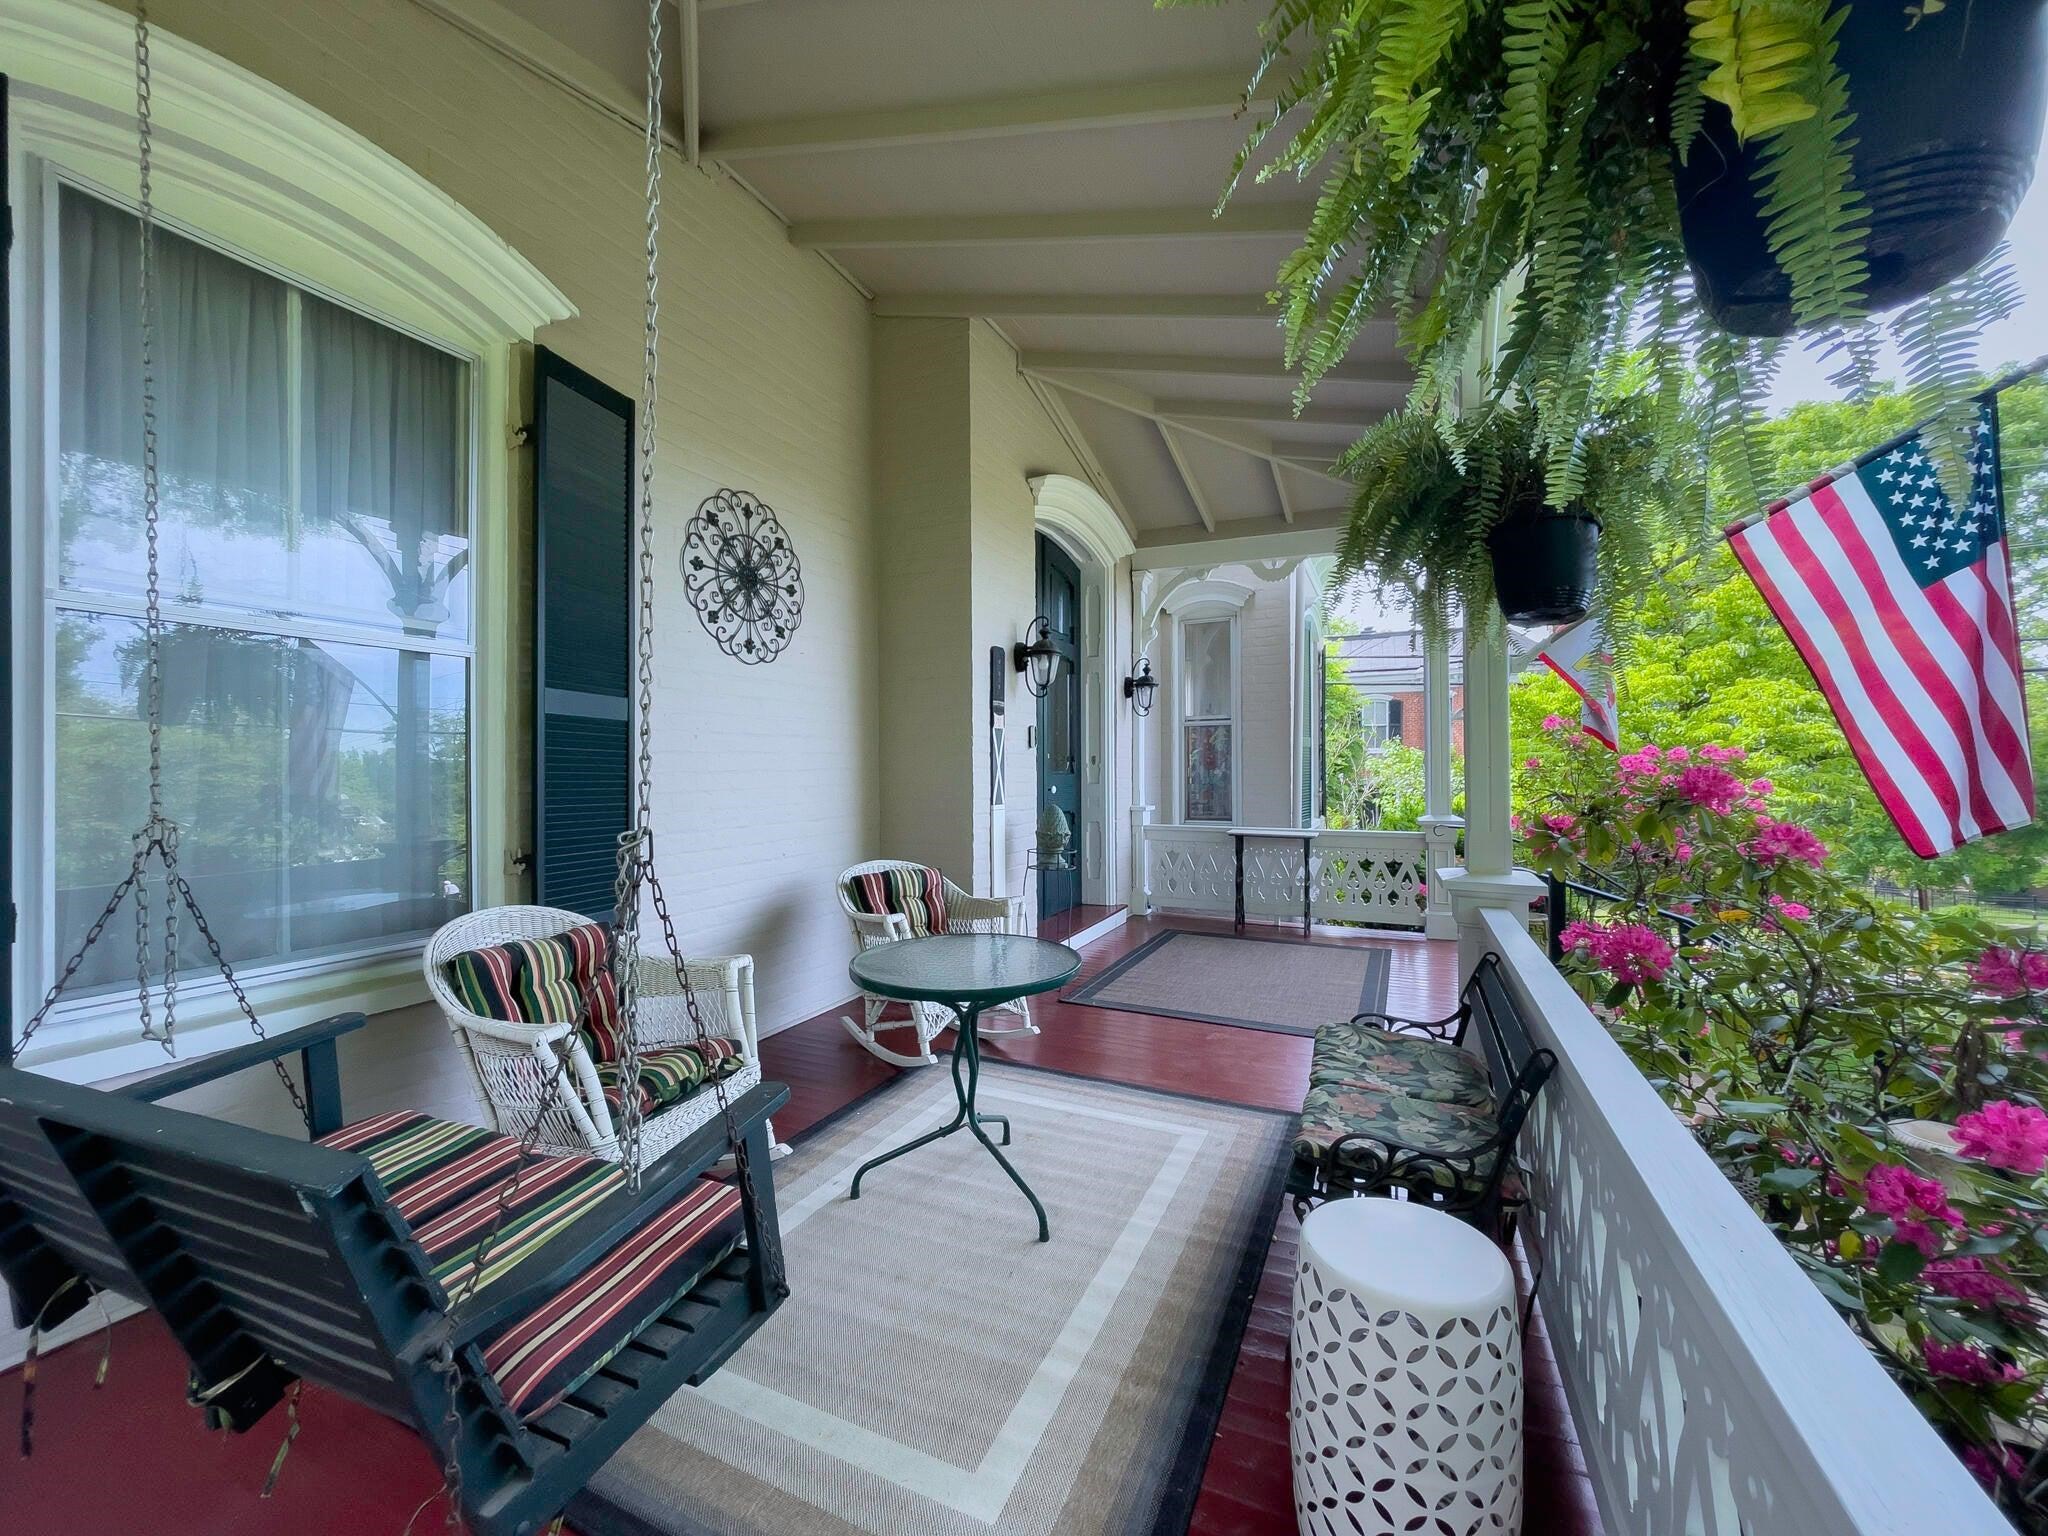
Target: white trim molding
<point>1076,508</point>
<point>237,155</point>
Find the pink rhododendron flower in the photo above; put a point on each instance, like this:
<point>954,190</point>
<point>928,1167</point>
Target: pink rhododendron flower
<point>1682,908</point>
<point>2011,972</point>
<point>1723,754</point>
<point>1678,755</point>
<point>1791,911</point>
<point>2005,1135</point>
<point>1760,787</point>
<point>1912,1200</point>
<point>1532,763</point>
<point>1777,841</point>
<point>2008,1465</point>
<point>1553,722</point>
<point>1966,1363</point>
<point>1711,787</point>
<point>1561,822</point>
<point>1628,952</point>
<point>1969,1279</point>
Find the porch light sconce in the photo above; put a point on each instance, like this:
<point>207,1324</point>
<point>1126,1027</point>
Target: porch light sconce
<point>1141,686</point>
<point>1036,658</point>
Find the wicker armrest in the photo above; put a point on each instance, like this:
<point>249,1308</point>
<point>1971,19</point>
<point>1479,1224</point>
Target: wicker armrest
<point>978,908</point>
<point>513,1031</point>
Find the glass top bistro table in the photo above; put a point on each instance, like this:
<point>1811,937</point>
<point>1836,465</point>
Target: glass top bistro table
<point>965,972</point>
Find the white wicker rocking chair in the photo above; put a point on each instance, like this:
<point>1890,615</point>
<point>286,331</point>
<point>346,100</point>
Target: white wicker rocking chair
<point>514,1063</point>
<point>964,914</point>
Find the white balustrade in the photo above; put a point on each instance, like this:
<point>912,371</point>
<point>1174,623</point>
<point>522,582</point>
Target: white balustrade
<point>1716,1392</point>
<point>1360,877</point>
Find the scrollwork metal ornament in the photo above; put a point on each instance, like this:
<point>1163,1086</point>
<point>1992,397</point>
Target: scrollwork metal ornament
<point>742,576</point>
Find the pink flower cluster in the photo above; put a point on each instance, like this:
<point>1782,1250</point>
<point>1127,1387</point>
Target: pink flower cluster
<point>1790,911</point>
<point>1776,842</point>
<point>1971,1281</point>
<point>1628,952</point>
<point>1912,1200</point>
<point>1989,1469</point>
<point>2011,972</point>
<point>1966,1363</point>
<point>2005,1135</point>
<point>1711,787</point>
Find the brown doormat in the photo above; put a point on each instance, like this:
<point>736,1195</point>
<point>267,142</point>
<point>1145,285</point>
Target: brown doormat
<point>937,1371</point>
<point>1288,987</point>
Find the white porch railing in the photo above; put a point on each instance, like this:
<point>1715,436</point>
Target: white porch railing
<point>1360,877</point>
<point>1716,1393</point>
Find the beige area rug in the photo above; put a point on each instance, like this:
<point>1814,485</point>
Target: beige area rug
<point>1220,978</point>
<point>936,1370</point>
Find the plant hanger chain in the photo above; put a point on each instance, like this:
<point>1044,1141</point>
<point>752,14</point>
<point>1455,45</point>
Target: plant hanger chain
<point>155,844</point>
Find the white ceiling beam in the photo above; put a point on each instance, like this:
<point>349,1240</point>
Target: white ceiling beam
<point>693,84</point>
<point>1075,306</point>
<point>1187,476</point>
<point>1137,403</point>
<point>1280,490</point>
<point>1241,540</point>
<point>1278,413</point>
<point>943,229</point>
<point>1060,111</point>
<point>1390,372</point>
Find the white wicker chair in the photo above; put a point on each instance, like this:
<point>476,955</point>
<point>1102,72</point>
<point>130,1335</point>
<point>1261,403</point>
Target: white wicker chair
<point>514,1063</point>
<point>964,914</point>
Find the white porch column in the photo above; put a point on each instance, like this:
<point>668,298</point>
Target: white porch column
<point>1440,825</point>
<point>1489,878</point>
<point>1140,903</point>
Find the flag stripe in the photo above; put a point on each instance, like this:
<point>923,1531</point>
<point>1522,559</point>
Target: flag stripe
<point>1887,712</point>
<point>1904,798</point>
<point>1932,659</point>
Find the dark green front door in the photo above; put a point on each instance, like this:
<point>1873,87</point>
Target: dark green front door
<point>1059,722</point>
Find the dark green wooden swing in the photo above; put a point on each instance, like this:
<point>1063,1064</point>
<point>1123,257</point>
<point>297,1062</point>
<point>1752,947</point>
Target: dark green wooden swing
<point>274,1261</point>
<point>271,1259</point>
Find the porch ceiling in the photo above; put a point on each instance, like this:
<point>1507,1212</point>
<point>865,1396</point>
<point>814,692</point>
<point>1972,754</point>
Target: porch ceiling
<point>1049,167</point>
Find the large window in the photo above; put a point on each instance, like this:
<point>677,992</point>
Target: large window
<point>315,490</point>
<point>1208,723</point>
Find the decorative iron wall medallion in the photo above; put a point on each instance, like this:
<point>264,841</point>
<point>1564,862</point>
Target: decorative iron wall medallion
<point>742,575</point>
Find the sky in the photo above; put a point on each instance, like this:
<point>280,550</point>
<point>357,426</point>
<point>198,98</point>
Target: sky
<point>1802,376</point>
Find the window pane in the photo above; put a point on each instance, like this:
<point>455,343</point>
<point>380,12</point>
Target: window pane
<point>1206,665</point>
<point>1207,757</point>
<point>367,527</point>
<point>320,789</point>
<point>384,445</point>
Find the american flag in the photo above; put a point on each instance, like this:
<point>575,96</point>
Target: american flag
<point>1901,604</point>
<point>1580,655</point>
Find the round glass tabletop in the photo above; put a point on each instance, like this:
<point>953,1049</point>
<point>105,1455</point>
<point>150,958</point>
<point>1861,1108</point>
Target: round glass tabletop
<point>964,968</point>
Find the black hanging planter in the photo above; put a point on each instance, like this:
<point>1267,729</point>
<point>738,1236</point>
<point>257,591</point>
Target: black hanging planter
<point>1545,564</point>
<point>1948,118</point>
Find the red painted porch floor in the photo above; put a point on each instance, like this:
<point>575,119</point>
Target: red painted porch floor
<point>132,1457</point>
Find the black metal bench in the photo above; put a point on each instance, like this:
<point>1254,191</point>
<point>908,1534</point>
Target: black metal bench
<point>1368,1138</point>
<point>271,1259</point>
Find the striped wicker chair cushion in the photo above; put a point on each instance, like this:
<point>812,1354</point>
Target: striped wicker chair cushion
<point>527,981</point>
<point>671,1074</point>
<point>448,1179</point>
<point>917,893</point>
<point>589,949</point>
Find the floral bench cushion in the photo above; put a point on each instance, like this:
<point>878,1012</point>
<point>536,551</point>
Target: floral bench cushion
<point>1331,1113</point>
<point>1365,1057</point>
<point>448,1181</point>
<point>671,1074</point>
<point>915,892</point>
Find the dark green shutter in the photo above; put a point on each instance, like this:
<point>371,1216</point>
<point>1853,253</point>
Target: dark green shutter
<point>583,502</point>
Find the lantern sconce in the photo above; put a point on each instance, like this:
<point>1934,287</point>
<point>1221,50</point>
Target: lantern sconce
<point>1140,687</point>
<point>1036,657</point>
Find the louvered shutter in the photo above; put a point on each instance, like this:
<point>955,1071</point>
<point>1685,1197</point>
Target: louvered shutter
<point>583,501</point>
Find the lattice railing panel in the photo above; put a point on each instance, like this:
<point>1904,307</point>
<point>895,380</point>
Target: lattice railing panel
<point>1361,877</point>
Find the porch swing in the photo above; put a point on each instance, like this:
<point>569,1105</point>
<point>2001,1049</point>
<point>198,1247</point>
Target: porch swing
<point>436,1272</point>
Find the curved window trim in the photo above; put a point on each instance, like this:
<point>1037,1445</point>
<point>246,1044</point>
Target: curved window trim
<point>247,167</point>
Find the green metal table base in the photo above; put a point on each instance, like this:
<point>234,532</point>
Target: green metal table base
<point>967,1050</point>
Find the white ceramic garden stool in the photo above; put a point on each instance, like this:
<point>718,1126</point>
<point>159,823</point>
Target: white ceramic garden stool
<point>1405,1409</point>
